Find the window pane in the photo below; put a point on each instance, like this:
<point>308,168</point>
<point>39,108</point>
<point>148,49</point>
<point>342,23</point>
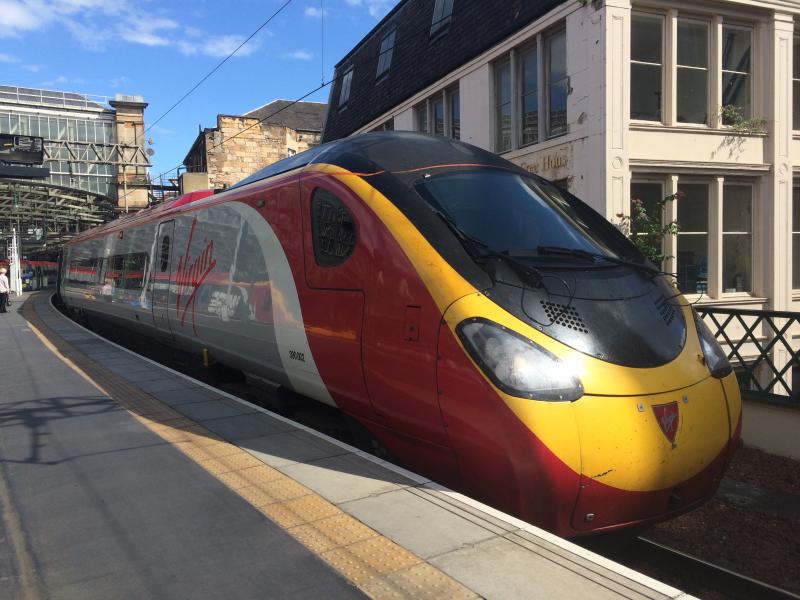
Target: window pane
<point>796,100</point>
<point>530,71</point>
<point>530,119</point>
<point>796,238</point>
<point>796,61</point>
<point>649,195</point>
<point>438,117</point>
<point>796,260</point>
<point>455,115</point>
<point>692,44</point>
<point>529,103</point>
<point>503,83</point>
<point>422,118</point>
<point>736,92</point>
<point>646,91</point>
<point>737,253</point>
<point>557,82</point>
<point>646,38</point>
<point>737,262</point>
<point>557,54</point>
<point>693,208</point>
<point>692,263</point>
<point>737,208</point>
<point>503,106</point>
<point>504,127</point>
<point>692,95</point>
<point>736,49</point>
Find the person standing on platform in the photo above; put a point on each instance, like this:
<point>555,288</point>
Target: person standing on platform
<point>4,289</point>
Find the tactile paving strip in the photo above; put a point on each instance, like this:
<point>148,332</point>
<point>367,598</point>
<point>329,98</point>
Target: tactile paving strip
<point>376,565</point>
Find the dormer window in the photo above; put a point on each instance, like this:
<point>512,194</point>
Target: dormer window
<point>344,94</point>
<point>385,54</point>
<point>442,11</point>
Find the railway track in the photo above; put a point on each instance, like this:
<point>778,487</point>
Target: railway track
<point>692,575</point>
<point>701,578</point>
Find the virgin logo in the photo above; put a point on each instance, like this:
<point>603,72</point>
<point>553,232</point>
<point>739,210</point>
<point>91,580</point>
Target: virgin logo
<point>667,418</point>
<point>191,273</point>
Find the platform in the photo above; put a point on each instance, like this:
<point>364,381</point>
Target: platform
<point>122,478</point>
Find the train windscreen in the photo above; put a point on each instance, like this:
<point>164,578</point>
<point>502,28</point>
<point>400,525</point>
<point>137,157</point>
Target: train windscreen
<point>511,213</point>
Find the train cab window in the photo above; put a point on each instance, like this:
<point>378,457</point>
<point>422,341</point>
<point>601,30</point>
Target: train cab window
<point>333,229</point>
<point>165,253</point>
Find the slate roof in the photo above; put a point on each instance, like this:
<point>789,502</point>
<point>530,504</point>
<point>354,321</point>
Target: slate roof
<point>300,116</point>
<point>420,58</point>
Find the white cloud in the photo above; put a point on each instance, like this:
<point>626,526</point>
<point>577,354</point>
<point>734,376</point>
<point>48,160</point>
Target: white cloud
<point>7,58</point>
<point>218,46</point>
<point>223,45</point>
<point>376,8</point>
<point>62,80</point>
<point>32,68</point>
<point>118,82</point>
<point>299,55</point>
<point>95,24</point>
<point>17,17</point>
<point>314,12</point>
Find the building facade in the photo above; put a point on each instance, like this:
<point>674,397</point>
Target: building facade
<point>241,145</point>
<point>615,100</point>
<point>91,143</point>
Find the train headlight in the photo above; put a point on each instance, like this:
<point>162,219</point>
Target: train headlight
<point>516,365</point>
<point>716,360</point>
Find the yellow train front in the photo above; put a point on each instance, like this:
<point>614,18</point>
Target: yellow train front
<point>577,388</point>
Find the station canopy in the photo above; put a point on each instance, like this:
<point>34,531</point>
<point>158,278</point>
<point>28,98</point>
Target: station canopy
<point>46,215</point>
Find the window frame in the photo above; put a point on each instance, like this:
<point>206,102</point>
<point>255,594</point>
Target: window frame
<point>323,259</point>
<point>715,229</point>
<point>540,42</point>
<point>662,17</point>
<point>795,232</point>
<point>427,108</point>
<point>441,24</point>
<point>795,83</point>
<point>347,82</point>
<point>385,55</point>
<point>750,74</point>
<point>547,39</point>
<point>708,69</point>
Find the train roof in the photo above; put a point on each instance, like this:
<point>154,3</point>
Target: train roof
<point>392,151</point>
<point>400,153</point>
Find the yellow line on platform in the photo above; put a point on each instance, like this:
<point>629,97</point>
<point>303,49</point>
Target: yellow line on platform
<point>373,563</point>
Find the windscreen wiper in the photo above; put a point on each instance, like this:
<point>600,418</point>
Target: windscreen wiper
<point>471,244</point>
<point>594,257</point>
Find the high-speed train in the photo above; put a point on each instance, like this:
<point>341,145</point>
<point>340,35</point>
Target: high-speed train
<point>491,330</point>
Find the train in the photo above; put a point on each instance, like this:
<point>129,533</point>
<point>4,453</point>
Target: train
<point>490,330</point>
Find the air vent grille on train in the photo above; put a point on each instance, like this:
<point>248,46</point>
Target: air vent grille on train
<point>565,315</point>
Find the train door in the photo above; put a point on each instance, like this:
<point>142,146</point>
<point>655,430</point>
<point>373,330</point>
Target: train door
<point>161,278</point>
<point>337,264</point>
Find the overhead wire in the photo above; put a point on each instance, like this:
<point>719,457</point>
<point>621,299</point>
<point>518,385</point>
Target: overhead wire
<point>222,62</point>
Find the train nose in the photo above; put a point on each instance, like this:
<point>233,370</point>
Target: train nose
<point>648,456</point>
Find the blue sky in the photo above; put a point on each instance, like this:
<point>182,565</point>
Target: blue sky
<point>161,49</point>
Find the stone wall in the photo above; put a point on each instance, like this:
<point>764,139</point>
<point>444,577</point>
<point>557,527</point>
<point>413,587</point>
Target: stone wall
<point>255,145</point>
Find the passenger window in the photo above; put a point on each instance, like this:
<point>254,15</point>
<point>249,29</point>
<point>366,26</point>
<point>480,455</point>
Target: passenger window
<point>333,229</point>
<point>165,253</point>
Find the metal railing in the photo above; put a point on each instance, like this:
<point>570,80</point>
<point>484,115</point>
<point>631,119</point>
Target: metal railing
<point>761,348</point>
<point>20,95</point>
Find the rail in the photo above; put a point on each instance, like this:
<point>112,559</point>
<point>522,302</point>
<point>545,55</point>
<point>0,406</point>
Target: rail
<point>700,578</point>
<point>759,346</point>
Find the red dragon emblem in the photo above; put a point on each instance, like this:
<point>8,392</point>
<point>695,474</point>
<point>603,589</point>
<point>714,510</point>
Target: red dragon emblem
<point>667,418</point>
<point>191,273</point>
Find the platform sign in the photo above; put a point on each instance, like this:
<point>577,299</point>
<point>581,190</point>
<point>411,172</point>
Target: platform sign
<point>21,149</point>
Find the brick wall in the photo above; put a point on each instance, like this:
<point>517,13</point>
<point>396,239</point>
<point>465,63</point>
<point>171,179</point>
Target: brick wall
<point>255,146</point>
